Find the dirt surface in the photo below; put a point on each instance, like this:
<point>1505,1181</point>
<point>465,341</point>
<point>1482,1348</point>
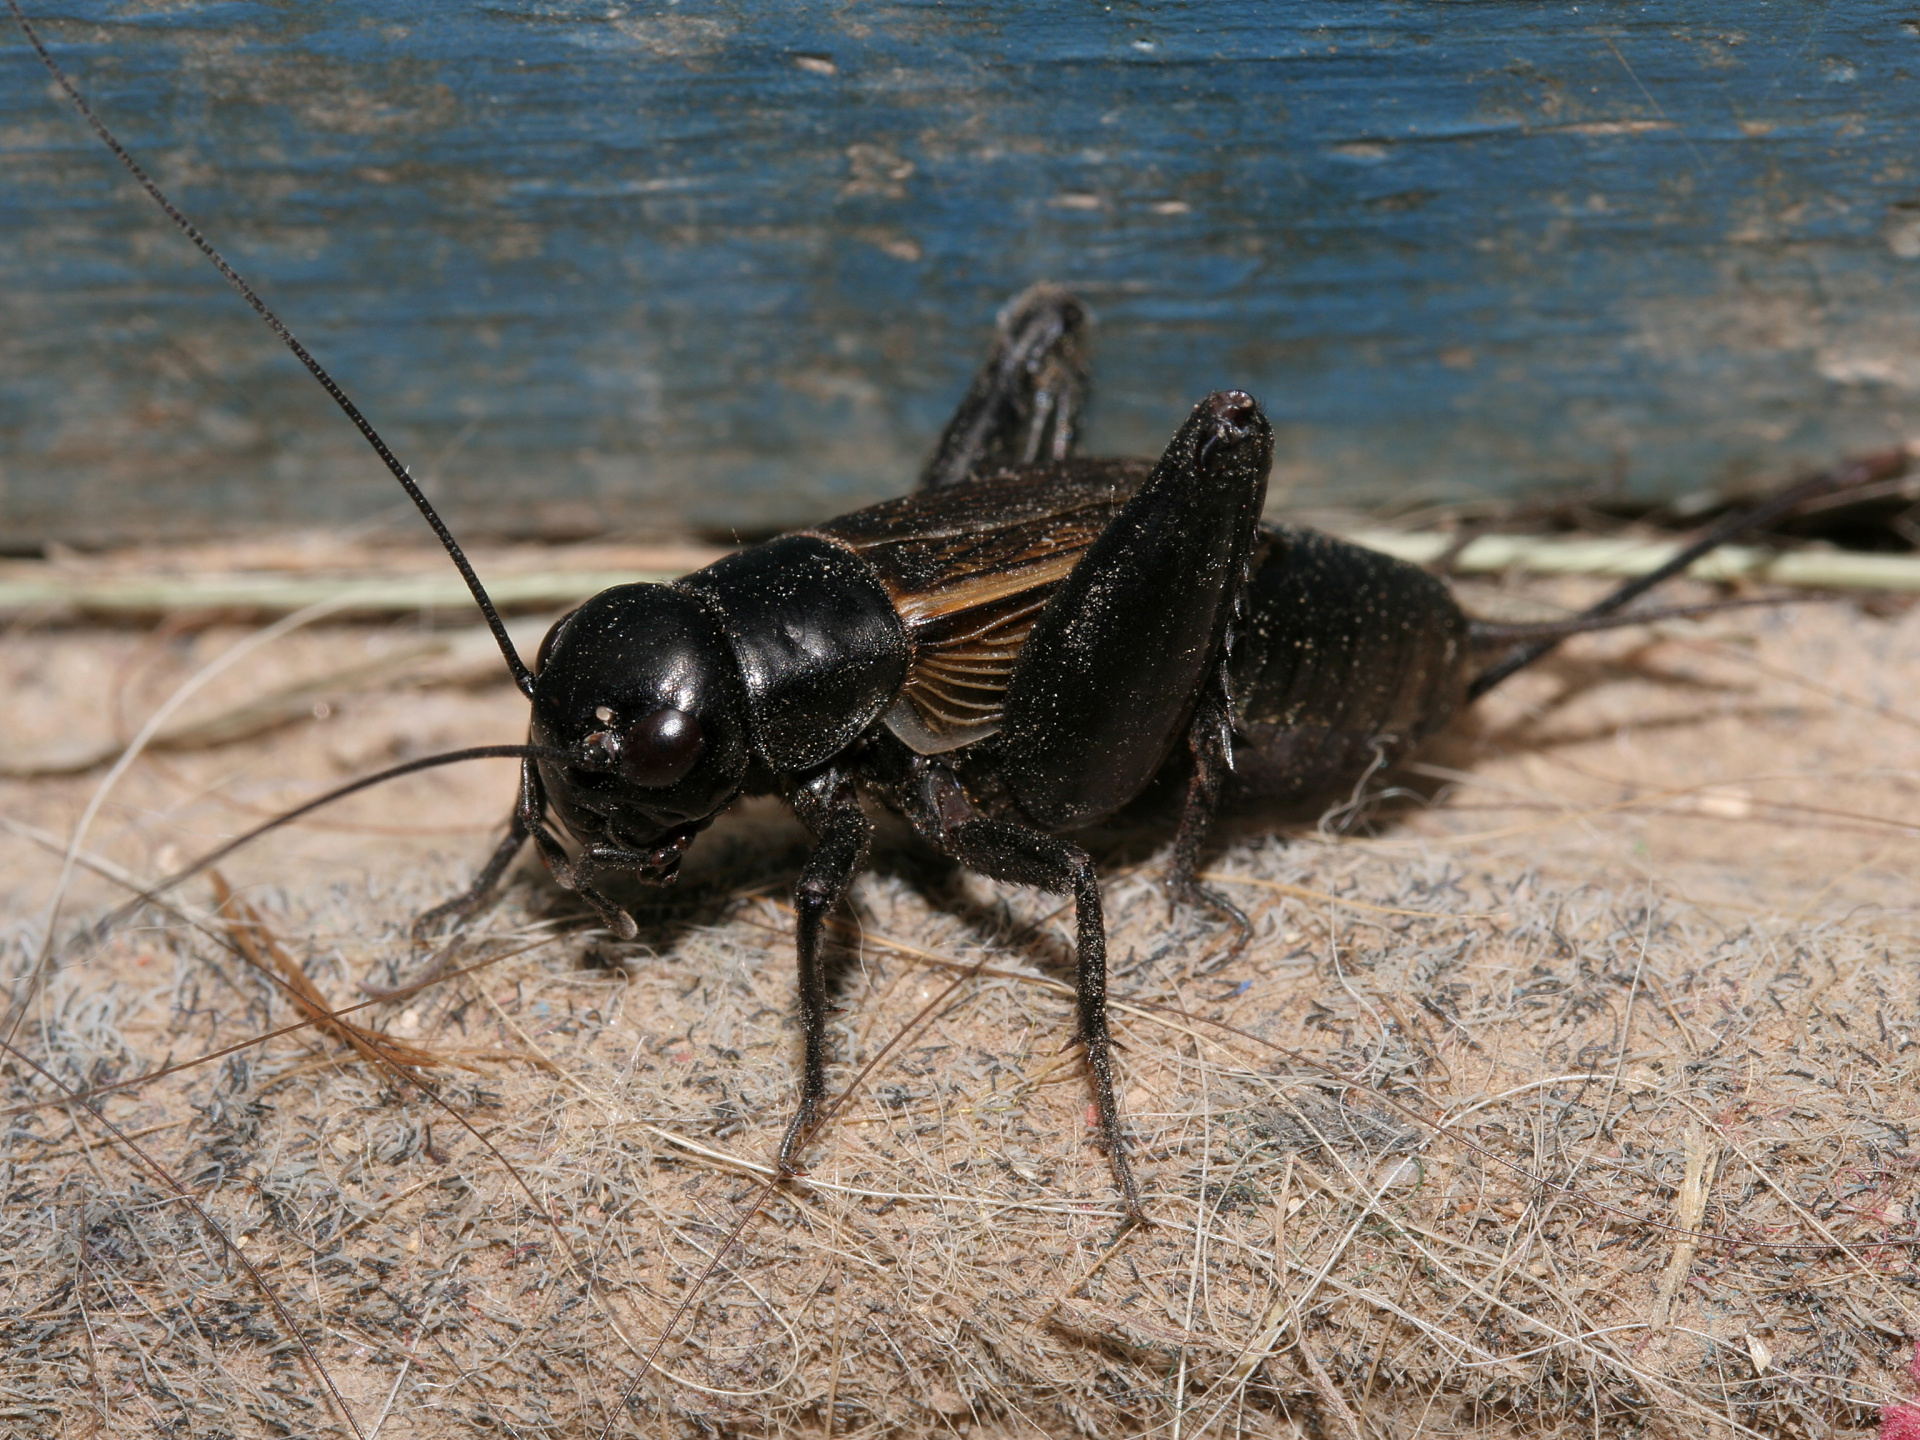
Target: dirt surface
<point>1633,949</point>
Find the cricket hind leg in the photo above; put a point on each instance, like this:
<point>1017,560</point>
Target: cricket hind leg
<point>1024,405</point>
<point>1132,640</point>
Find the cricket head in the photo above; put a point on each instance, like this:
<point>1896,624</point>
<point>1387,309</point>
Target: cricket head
<point>640,690</point>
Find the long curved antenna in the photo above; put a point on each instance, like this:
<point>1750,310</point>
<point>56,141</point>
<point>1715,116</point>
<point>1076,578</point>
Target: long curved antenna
<point>1845,476</point>
<point>522,677</point>
<point>352,787</point>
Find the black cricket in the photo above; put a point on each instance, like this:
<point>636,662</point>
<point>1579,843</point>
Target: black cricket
<point>1016,651</point>
<point>1013,652</point>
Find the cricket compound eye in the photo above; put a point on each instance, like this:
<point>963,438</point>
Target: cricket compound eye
<point>659,749</point>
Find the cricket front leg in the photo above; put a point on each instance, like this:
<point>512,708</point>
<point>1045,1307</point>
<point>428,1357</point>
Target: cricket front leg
<point>528,822</point>
<point>528,818</point>
<point>828,807</point>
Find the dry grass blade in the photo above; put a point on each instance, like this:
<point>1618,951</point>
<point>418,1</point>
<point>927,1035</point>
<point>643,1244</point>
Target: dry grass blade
<point>1690,1209</point>
<point>279,706</point>
<point>255,940</point>
<point>1585,555</point>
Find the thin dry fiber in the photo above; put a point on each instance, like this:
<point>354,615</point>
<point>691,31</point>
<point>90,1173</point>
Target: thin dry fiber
<point>1571,1096</point>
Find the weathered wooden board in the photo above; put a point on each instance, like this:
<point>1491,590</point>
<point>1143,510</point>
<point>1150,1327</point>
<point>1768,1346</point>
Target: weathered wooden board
<point>728,265</point>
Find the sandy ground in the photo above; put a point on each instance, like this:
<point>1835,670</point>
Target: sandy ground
<point>1634,949</point>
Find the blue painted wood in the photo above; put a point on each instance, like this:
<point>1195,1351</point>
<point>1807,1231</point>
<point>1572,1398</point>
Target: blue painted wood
<point>729,265</point>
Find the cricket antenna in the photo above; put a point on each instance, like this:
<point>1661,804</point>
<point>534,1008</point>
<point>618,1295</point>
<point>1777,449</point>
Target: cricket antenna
<point>339,792</point>
<point>1847,475</point>
<point>522,677</point>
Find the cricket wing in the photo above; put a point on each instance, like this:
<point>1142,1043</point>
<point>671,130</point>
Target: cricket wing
<point>969,568</point>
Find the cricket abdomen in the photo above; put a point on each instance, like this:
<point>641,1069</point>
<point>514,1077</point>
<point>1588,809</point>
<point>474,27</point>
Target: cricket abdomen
<point>1342,655</point>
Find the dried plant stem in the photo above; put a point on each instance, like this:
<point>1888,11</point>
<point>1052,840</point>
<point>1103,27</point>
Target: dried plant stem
<point>1690,1209</point>
<point>121,598</point>
<point>1624,559</point>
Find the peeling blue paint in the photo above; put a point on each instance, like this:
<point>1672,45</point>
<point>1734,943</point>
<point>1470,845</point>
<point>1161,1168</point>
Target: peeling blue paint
<point>729,265</point>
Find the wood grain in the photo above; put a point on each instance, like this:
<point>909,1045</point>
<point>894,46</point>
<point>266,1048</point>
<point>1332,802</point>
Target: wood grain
<point>646,267</point>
